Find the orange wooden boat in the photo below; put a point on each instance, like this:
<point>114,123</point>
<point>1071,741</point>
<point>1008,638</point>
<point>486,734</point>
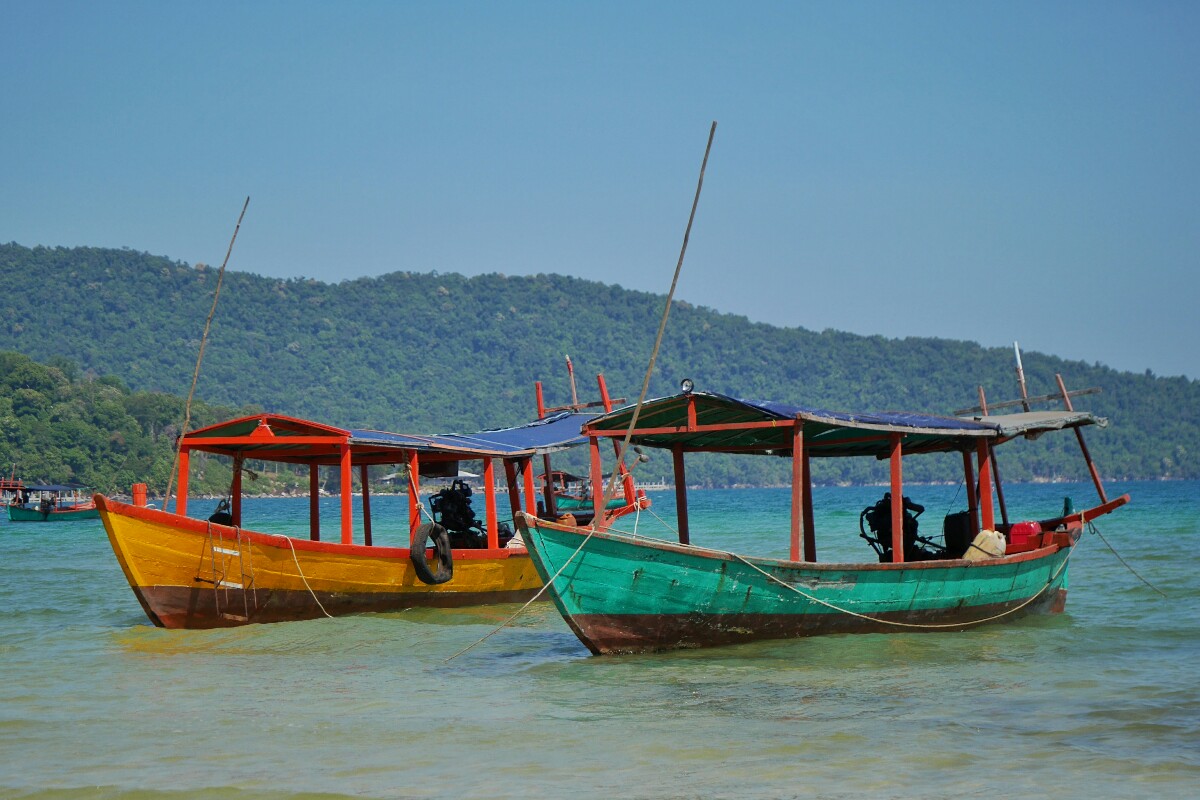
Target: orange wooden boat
<point>217,572</point>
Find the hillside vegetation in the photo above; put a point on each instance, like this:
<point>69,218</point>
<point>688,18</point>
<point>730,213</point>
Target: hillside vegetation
<point>441,352</point>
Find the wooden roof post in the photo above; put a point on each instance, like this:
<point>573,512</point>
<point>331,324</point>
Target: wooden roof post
<point>897,471</point>
<point>365,478</point>
<point>597,478</point>
<point>548,490</point>
<point>347,476</point>
<point>972,494</point>
<point>1087,457</point>
<point>995,464</point>
<point>681,508</point>
<point>314,502</point>
<point>235,491</point>
<point>797,488</point>
<point>414,493</point>
<point>810,528</point>
<point>489,504</point>
<point>530,490</point>
<point>541,402</point>
<point>185,456</point>
<point>986,512</point>
<point>514,494</point>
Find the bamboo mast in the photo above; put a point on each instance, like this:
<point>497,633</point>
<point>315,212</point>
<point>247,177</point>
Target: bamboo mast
<point>187,408</point>
<point>597,479</point>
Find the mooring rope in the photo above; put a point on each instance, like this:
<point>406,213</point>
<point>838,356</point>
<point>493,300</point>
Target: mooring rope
<point>300,570</point>
<point>540,592</point>
<point>1092,527</point>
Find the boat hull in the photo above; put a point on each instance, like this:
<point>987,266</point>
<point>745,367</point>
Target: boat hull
<point>623,594</point>
<point>189,573</point>
<point>18,513</point>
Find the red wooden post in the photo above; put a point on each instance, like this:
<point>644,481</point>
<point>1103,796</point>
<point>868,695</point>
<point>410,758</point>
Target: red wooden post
<point>597,474</point>
<point>972,495</point>
<point>897,500</point>
<point>347,497</point>
<point>182,490</point>
<point>314,502</point>
<point>489,504</point>
<point>365,478</point>
<point>995,464</point>
<point>810,531</point>
<point>235,492</point>
<point>986,511</point>
<point>1087,457</point>
<point>530,489</point>
<point>681,509</point>
<point>541,402</point>
<point>797,489</point>
<point>414,493</point>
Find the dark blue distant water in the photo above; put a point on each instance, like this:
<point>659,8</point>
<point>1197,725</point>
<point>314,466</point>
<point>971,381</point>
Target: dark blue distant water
<point>1101,702</point>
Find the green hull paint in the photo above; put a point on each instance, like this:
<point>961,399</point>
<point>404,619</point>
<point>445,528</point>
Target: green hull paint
<point>627,594</point>
<point>33,514</point>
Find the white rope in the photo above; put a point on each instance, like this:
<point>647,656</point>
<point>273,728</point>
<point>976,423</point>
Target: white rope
<point>545,586</point>
<point>288,539</point>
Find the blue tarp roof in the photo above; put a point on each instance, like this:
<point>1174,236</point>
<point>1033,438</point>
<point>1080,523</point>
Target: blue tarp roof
<point>556,432</point>
<point>49,487</point>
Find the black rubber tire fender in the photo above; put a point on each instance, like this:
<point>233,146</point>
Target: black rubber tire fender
<point>441,546</point>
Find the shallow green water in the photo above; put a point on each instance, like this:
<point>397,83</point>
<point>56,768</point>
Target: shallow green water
<point>1101,702</point>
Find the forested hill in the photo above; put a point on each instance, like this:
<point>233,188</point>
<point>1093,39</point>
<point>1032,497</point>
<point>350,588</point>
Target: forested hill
<point>438,352</point>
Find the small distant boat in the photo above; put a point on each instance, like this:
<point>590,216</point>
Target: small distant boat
<point>572,495</point>
<point>624,593</point>
<point>37,502</point>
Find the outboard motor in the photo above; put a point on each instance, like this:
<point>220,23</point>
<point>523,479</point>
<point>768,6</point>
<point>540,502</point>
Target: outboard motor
<point>452,510</point>
<point>878,518</point>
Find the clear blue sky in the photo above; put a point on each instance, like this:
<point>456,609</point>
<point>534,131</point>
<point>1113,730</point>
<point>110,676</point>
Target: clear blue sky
<point>989,171</point>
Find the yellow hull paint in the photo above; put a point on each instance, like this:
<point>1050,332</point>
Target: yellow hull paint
<point>194,574</point>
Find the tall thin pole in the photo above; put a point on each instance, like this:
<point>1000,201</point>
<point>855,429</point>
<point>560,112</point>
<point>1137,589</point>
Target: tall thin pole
<point>662,325</point>
<point>187,408</point>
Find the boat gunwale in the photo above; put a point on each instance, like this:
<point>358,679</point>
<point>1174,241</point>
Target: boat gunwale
<point>822,566</point>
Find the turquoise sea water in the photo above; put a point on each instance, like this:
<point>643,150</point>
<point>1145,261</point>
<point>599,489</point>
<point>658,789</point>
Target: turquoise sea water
<point>1100,702</point>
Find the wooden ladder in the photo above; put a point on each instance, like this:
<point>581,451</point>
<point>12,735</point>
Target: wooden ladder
<point>228,566</point>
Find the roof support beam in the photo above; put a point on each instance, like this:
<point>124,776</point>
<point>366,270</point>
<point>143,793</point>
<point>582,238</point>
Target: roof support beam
<point>972,494</point>
<point>182,488</point>
<point>314,502</point>
<point>986,511</point>
<point>414,494</point>
<point>798,489</point>
<point>489,504</point>
<point>897,471</point>
<point>1087,456</point>
<point>681,509</point>
<point>365,478</point>
<point>347,496</point>
<point>235,491</point>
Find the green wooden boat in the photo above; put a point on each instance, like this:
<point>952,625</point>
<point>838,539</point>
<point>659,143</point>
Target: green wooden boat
<point>50,503</point>
<point>624,593</point>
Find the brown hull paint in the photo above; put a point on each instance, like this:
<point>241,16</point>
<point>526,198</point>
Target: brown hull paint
<point>202,607</point>
<point>613,634</point>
